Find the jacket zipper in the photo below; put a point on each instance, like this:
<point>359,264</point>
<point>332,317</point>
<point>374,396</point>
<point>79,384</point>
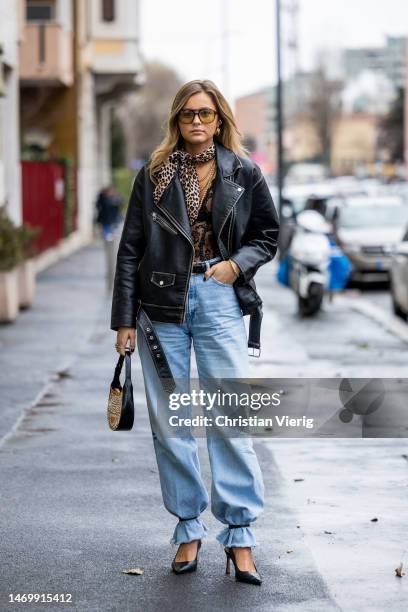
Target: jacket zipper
<point>225,220</point>
<point>163,223</point>
<point>230,232</point>
<point>186,292</point>
<point>191,263</point>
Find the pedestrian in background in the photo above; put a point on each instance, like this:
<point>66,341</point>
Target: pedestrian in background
<point>108,213</point>
<point>200,222</point>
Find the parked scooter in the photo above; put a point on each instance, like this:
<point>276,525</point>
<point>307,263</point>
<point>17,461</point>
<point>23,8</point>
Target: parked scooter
<point>309,260</point>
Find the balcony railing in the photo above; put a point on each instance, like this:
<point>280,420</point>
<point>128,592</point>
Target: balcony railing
<point>46,55</point>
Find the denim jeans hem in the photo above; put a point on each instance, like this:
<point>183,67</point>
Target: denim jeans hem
<point>187,531</point>
<point>240,537</point>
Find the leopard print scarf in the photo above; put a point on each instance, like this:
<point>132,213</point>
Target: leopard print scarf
<point>185,163</point>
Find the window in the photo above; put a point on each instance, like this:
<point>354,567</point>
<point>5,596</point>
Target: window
<point>40,11</point>
<point>108,10</point>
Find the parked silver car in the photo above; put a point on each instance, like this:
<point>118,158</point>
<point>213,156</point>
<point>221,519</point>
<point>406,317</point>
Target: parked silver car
<point>399,278</point>
<point>368,229</point>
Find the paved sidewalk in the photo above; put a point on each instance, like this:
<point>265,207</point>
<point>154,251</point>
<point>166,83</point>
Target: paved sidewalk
<point>47,337</point>
<point>83,503</point>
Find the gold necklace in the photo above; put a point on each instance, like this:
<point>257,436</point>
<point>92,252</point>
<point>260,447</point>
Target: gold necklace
<point>207,185</point>
<point>202,180</point>
<point>208,178</point>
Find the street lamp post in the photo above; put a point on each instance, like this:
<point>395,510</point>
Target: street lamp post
<point>279,120</point>
<point>225,48</point>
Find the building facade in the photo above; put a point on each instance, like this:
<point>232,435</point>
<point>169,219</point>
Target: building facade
<point>256,119</point>
<point>390,60</point>
<point>76,59</point>
<point>11,14</point>
<point>253,114</point>
<point>109,65</point>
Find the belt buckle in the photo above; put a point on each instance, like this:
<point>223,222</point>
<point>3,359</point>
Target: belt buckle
<point>202,267</point>
<point>253,349</point>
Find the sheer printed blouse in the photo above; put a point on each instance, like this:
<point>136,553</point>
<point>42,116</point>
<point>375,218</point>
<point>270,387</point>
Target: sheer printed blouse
<point>205,244</point>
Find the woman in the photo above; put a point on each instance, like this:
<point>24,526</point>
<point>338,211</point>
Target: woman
<point>199,224</point>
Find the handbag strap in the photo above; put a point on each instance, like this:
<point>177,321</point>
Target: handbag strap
<point>128,373</point>
<point>115,384</point>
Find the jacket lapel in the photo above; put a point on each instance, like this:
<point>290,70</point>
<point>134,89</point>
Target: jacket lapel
<point>173,202</point>
<point>226,193</point>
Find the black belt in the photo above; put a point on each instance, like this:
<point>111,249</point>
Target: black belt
<point>254,334</point>
<point>156,351</point>
<point>201,265</point>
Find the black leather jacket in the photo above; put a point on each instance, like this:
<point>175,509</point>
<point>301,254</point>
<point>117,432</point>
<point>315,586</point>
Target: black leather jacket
<point>155,253</point>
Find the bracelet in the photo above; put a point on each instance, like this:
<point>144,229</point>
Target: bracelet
<point>233,269</point>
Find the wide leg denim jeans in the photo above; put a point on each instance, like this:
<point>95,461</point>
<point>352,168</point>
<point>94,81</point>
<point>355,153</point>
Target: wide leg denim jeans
<point>215,325</point>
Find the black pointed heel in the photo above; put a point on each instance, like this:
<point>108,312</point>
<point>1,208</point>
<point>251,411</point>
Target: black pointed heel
<point>185,567</point>
<point>240,575</point>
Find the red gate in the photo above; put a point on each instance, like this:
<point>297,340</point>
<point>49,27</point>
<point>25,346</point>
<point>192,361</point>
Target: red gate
<point>43,185</point>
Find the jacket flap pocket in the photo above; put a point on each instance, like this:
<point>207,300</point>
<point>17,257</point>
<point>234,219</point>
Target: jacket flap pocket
<point>163,279</point>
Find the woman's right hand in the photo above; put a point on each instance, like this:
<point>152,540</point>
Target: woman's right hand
<point>123,335</point>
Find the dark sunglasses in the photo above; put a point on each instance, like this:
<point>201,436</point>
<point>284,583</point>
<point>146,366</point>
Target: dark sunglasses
<point>207,115</point>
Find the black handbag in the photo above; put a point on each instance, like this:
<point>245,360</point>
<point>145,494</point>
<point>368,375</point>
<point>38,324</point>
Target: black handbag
<point>120,403</point>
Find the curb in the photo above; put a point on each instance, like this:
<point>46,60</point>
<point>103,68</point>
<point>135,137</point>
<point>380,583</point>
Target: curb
<point>390,322</point>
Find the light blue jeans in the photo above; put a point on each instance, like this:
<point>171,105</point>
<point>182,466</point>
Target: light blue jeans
<point>215,325</point>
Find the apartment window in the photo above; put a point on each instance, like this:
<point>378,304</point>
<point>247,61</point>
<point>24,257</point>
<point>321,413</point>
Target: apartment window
<point>108,10</point>
<point>40,10</point>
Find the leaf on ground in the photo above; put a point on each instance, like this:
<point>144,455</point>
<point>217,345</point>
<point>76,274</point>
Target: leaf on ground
<point>399,572</point>
<point>135,570</point>
<point>64,374</point>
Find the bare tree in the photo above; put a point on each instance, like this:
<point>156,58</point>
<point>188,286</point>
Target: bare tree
<point>323,107</point>
<point>144,113</point>
<point>391,130</point>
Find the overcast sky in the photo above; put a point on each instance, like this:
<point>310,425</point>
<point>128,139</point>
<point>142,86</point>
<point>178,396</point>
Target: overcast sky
<point>187,34</point>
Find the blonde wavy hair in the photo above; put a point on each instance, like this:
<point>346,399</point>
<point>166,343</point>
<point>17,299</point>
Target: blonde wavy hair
<point>229,135</point>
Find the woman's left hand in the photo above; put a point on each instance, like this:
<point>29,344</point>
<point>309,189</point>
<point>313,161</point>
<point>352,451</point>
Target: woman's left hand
<point>223,272</point>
